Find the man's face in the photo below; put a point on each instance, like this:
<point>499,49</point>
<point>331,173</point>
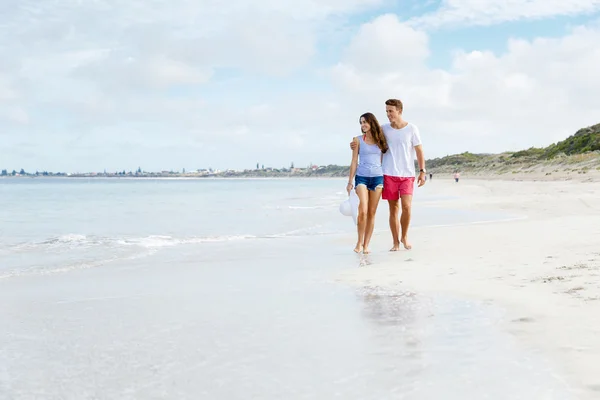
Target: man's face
<point>392,112</point>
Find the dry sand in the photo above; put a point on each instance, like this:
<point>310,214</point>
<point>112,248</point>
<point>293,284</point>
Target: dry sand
<point>543,269</point>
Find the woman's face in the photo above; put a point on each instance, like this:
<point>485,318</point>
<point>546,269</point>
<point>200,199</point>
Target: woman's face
<point>364,125</point>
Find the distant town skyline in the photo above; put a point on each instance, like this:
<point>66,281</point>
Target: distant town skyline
<point>140,171</point>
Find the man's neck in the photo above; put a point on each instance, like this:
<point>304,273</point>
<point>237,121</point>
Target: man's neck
<point>398,123</point>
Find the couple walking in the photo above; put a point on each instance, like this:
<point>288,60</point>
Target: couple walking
<point>383,166</point>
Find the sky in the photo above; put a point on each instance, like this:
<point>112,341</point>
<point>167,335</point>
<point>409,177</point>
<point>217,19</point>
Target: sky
<point>171,84</point>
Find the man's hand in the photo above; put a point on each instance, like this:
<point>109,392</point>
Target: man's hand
<point>353,145</point>
<point>421,180</point>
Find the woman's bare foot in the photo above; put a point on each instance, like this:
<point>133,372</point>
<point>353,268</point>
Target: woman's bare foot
<point>407,245</point>
<point>366,250</point>
<point>358,248</point>
<point>396,247</point>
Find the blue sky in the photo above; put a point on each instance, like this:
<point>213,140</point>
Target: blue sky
<point>117,85</point>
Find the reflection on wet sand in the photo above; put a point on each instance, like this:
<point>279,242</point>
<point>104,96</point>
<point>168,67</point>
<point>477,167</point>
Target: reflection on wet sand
<point>387,307</point>
<point>393,318</point>
<point>364,260</point>
<point>448,348</point>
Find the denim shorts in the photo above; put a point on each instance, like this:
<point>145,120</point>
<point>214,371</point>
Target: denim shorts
<point>371,182</point>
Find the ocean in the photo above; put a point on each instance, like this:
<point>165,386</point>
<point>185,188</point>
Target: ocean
<point>225,289</point>
<point>59,224</point>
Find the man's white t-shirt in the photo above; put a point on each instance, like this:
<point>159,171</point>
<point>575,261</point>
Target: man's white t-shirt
<point>399,160</point>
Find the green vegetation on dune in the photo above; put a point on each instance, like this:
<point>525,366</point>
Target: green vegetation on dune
<point>463,159</point>
<point>584,141</point>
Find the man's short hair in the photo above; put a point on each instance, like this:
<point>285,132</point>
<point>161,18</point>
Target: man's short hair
<point>396,103</point>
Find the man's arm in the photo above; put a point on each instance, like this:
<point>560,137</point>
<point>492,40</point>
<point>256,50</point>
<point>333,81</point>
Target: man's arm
<point>420,156</point>
<point>418,146</point>
<point>421,162</point>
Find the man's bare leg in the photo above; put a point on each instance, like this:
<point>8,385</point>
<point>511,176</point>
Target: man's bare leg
<point>394,223</point>
<point>374,196</point>
<point>363,206</point>
<point>406,202</point>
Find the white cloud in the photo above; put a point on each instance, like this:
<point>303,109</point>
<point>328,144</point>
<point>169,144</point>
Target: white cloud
<point>7,92</point>
<point>535,93</point>
<point>13,116</point>
<point>489,12</point>
<point>206,33</point>
<point>132,45</point>
<point>386,45</point>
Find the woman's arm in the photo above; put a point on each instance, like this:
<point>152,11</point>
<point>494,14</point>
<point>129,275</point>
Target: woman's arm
<point>353,166</point>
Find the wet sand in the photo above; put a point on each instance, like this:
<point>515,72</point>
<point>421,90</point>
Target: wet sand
<point>189,323</point>
<point>543,267</point>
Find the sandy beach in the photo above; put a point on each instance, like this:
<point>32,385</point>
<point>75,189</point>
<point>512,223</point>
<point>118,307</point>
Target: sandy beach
<point>542,267</point>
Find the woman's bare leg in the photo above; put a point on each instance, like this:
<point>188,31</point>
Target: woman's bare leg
<point>363,206</point>
<point>374,197</point>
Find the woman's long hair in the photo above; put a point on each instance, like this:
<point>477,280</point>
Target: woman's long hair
<point>376,131</point>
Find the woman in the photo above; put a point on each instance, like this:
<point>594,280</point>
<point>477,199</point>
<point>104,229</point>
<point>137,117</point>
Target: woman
<point>367,174</point>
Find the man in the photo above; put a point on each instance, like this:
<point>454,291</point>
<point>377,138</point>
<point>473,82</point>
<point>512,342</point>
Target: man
<point>404,140</point>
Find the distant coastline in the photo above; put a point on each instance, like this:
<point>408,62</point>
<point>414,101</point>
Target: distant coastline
<point>496,166</point>
<point>312,172</point>
<point>576,156</point>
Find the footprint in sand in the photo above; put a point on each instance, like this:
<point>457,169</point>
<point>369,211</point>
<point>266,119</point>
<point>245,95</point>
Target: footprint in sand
<point>523,319</point>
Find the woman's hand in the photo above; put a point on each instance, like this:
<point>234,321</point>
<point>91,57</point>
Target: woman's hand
<point>349,188</point>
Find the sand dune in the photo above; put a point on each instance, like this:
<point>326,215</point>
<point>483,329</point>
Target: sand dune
<point>579,167</point>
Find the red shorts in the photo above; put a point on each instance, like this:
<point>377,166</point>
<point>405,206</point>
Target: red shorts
<point>396,186</point>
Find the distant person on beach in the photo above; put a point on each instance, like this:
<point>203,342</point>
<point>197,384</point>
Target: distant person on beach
<point>367,174</point>
<point>398,167</point>
<point>430,176</point>
<point>456,176</point>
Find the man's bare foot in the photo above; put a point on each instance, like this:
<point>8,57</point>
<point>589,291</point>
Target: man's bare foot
<point>358,248</point>
<point>407,245</point>
<point>396,247</point>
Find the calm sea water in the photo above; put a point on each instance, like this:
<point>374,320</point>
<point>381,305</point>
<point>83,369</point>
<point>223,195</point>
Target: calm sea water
<point>225,289</point>
<point>53,225</point>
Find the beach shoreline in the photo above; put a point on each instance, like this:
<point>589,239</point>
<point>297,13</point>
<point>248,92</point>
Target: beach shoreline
<point>543,268</point>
